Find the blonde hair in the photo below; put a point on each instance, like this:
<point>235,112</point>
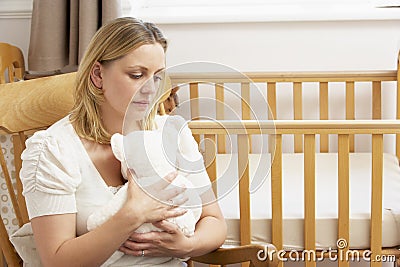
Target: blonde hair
<point>111,42</point>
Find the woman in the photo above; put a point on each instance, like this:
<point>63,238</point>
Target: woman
<point>69,170</point>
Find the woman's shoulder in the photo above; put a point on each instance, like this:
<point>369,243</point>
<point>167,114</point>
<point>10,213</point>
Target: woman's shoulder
<point>61,127</point>
<point>58,130</point>
<point>50,151</point>
<point>50,172</point>
<point>56,139</point>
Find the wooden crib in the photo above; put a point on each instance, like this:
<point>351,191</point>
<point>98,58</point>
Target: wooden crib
<point>212,134</point>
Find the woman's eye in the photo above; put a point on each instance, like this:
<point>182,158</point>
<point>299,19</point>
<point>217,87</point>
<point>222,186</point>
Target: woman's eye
<point>136,76</point>
<point>157,78</point>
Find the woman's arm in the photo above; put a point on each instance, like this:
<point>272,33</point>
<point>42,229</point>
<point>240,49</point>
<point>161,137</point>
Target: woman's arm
<point>57,244</point>
<point>210,234</point>
<point>55,235</point>
<point>211,229</point>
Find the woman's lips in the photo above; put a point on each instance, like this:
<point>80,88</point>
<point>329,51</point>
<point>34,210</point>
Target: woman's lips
<point>142,104</point>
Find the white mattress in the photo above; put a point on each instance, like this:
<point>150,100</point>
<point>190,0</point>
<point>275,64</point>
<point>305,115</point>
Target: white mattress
<point>326,199</point>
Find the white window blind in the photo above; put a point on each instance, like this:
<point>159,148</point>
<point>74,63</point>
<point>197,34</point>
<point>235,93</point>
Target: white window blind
<point>211,11</point>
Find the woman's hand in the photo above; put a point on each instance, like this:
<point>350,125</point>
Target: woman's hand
<point>143,205</point>
<point>169,243</point>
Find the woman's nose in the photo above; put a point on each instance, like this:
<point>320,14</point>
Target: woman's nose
<point>148,87</point>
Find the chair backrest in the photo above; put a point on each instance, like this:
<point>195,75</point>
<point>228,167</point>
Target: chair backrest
<point>12,64</point>
<point>25,107</point>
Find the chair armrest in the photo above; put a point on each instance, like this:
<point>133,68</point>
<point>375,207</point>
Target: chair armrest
<point>253,253</point>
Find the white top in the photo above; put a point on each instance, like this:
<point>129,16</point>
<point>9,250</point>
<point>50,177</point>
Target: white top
<point>59,177</point>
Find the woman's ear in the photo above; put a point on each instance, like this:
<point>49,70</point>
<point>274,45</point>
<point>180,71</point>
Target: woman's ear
<point>95,75</point>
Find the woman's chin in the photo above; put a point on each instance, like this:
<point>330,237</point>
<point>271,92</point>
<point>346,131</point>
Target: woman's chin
<point>135,116</point>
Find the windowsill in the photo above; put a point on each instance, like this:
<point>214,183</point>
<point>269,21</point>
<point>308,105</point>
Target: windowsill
<point>15,9</point>
<point>262,13</point>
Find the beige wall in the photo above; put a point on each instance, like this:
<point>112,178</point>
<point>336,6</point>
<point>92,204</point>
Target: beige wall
<point>15,23</point>
<point>288,45</point>
<point>16,31</point>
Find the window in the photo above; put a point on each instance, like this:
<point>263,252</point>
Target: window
<point>209,11</point>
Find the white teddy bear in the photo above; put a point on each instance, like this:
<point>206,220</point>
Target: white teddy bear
<point>152,155</point>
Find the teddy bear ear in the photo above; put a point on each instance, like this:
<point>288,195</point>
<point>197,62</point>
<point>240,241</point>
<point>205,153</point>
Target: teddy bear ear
<point>117,146</point>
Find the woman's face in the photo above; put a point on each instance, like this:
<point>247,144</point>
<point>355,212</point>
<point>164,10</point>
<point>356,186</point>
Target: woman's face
<point>130,83</point>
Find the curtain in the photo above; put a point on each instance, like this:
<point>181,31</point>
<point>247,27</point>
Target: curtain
<point>62,29</point>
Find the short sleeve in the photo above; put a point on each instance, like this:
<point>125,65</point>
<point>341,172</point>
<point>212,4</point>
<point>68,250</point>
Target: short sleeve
<point>49,175</point>
<point>189,160</point>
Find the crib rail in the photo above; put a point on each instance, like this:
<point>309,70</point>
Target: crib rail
<point>300,127</point>
<point>309,130</point>
<point>321,76</point>
<point>298,80</point>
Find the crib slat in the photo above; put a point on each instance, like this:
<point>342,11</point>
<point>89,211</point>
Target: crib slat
<point>194,105</point>
<point>244,194</point>
<point>220,110</point>
<point>298,114</point>
<point>271,100</point>
<point>376,197</point>
<point>323,114</point>
<point>350,114</point>
<point>210,160</point>
<point>194,100</point>
<point>376,100</point>
<point>246,106</point>
<point>398,107</point>
<point>343,196</point>
<point>276,193</point>
<point>245,97</point>
<point>309,195</point>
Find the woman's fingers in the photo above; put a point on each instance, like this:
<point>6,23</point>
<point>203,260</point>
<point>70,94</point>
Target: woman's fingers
<point>172,193</point>
<point>176,212</point>
<point>139,249</point>
<point>164,191</point>
<point>157,202</point>
<point>166,181</point>
<point>169,242</point>
<point>167,226</point>
<point>176,202</point>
